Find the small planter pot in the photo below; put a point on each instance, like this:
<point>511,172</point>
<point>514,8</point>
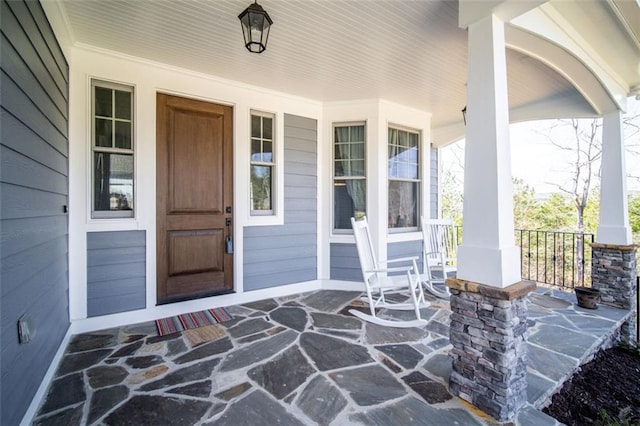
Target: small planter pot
<point>587,297</point>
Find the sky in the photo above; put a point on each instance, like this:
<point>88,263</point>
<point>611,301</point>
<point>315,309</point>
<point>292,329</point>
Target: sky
<point>541,164</point>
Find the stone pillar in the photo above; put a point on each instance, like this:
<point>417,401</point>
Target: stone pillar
<point>488,326</point>
<point>614,272</point>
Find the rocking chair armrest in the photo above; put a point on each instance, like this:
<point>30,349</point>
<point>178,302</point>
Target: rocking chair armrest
<point>401,259</point>
<point>398,269</point>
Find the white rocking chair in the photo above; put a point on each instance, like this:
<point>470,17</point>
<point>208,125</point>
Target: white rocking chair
<point>379,285</point>
<point>439,255</point>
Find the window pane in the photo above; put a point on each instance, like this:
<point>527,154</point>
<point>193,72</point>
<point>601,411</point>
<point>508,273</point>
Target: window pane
<point>349,200</point>
<point>413,139</point>
<point>103,132</point>
<point>255,126</point>
<point>357,151</point>
<point>123,104</point>
<point>267,154</point>
<point>403,204</point>
<point>123,134</point>
<point>357,133</point>
<point>342,151</point>
<point>357,168</point>
<point>103,102</point>
<point>261,188</point>
<point>402,139</point>
<point>267,128</point>
<point>339,168</point>
<point>256,150</point>
<point>341,134</point>
<point>113,182</point>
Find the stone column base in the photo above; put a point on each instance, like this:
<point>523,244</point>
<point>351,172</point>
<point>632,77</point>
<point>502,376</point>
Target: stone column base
<point>614,273</point>
<point>489,348</point>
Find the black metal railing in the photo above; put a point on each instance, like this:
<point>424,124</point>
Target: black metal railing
<point>558,258</point>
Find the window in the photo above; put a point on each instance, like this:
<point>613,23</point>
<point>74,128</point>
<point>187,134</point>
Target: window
<point>112,150</point>
<point>262,164</point>
<point>349,180</point>
<point>404,178</point>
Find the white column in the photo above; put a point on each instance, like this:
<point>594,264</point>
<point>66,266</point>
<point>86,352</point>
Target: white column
<point>614,213</point>
<point>488,254</point>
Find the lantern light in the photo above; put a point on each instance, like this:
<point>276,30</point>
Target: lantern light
<point>255,27</point>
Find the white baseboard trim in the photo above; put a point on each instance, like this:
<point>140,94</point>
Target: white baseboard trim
<point>31,412</point>
<point>162,311</point>
<point>343,285</point>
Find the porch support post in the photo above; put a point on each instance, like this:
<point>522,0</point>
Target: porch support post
<point>614,213</point>
<point>488,253</point>
<point>488,298</point>
<point>613,264</point>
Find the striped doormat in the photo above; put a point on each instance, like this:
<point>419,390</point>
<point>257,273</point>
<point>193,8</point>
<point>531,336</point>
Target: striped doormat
<point>192,320</point>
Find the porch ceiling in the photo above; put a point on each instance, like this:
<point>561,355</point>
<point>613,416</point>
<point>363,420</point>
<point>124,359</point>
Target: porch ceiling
<point>409,52</point>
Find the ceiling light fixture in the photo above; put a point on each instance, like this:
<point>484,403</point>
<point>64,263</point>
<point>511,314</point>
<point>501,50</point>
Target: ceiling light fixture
<point>255,27</point>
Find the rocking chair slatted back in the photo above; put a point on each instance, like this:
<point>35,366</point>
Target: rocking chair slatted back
<point>378,284</point>
<point>440,243</point>
<point>364,245</point>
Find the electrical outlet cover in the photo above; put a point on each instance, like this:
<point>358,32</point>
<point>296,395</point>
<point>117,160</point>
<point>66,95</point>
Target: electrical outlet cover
<point>24,329</point>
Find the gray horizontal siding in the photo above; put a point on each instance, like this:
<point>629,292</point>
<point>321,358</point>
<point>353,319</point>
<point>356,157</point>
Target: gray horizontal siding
<point>405,249</point>
<point>33,191</point>
<point>344,262</point>
<point>279,255</point>
<point>116,272</point>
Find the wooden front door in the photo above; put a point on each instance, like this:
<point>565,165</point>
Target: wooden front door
<point>194,178</point>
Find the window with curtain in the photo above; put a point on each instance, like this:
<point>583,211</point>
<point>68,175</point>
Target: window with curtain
<point>404,179</point>
<point>112,150</point>
<point>349,177</point>
<point>262,163</point>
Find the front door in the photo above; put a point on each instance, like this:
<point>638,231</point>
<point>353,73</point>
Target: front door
<point>194,178</point>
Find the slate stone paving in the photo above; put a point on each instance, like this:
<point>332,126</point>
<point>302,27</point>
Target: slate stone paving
<point>302,360</point>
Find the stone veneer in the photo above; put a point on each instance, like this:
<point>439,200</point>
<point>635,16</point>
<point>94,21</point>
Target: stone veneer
<point>614,273</point>
<point>488,326</point>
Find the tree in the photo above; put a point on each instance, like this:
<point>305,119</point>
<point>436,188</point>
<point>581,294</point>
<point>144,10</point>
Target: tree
<point>451,175</point>
<point>524,205</point>
<point>582,144</point>
<point>556,214</point>
<point>634,216</point>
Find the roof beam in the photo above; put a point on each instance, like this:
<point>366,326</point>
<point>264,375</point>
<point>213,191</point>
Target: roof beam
<point>470,11</point>
<point>546,22</point>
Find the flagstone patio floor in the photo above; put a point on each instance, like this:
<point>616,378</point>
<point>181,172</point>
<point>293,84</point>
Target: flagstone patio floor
<point>303,360</point>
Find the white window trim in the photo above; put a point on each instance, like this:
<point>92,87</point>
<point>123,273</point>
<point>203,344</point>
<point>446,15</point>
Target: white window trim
<point>115,219</point>
<point>420,180</point>
<point>276,216</point>
<point>272,164</point>
<point>348,233</point>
